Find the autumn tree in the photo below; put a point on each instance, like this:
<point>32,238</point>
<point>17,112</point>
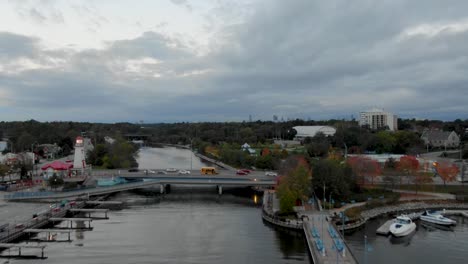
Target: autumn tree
<point>365,167</point>
<point>408,165</point>
<point>293,186</point>
<point>447,171</point>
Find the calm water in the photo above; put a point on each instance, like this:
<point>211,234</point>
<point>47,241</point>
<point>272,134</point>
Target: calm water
<point>168,157</point>
<point>186,226</point>
<point>189,225</point>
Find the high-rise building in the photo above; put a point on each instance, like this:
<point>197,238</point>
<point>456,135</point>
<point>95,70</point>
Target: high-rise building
<point>378,119</point>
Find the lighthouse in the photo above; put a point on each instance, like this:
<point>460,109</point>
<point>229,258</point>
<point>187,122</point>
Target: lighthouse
<point>80,158</point>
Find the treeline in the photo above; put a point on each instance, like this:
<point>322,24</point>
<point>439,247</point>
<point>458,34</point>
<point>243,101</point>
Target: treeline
<point>22,135</point>
<point>119,154</point>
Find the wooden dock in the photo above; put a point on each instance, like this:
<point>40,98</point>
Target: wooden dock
<point>90,211</point>
<point>21,246</point>
<point>385,228</point>
<point>104,202</point>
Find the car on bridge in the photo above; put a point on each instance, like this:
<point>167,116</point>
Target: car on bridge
<point>161,172</point>
<point>184,172</point>
<point>241,172</point>
<point>246,170</point>
<point>171,170</point>
<point>270,173</point>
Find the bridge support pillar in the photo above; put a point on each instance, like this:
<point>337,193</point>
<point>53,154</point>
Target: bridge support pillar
<point>220,189</point>
<point>162,188</point>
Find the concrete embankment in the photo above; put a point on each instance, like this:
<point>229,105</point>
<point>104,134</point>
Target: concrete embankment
<point>269,216</point>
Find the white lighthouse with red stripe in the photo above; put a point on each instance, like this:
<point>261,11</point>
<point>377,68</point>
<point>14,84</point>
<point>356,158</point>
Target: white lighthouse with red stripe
<point>80,155</point>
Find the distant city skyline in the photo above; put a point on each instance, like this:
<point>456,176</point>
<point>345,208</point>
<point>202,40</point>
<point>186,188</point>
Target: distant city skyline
<point>219,60</point>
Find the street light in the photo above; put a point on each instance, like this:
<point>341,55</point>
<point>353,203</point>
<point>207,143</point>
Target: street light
<point>191,153</point>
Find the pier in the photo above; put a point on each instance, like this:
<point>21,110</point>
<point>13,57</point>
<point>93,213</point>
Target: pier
<point>71,220</point>
<point>49,232</point>
<point>90,211</point>
<point>325,244</point>
<point>21,246</point>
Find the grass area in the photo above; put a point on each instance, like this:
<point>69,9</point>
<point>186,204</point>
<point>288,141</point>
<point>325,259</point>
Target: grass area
<point>433,188</point>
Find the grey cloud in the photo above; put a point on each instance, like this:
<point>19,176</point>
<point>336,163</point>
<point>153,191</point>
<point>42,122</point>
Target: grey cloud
<point>150,44</point>
<point>13,45</point>
<point>318,59</point>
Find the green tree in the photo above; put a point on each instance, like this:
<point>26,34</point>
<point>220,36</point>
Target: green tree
<point>336,177</point>
<point>294,186</point>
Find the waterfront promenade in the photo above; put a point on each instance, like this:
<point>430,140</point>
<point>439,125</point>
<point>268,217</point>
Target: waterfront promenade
<point>325,243</point>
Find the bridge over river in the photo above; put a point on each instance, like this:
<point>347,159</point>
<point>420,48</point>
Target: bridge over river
<point>148,181</point>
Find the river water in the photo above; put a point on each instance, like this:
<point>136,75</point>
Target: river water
<point>195,225</point>
<point>188,225</point>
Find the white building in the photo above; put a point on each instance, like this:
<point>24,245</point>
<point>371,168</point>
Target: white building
<point>312,131</point>
<point>377,119</point>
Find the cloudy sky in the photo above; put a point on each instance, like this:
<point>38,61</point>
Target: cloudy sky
<point>219,60</point>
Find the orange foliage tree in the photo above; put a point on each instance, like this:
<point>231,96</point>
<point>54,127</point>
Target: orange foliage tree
<point>266,152</point>
<point>408,165</point>
<point>365,167</point>
<point>447,171</point>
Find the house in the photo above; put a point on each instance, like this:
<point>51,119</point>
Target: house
<point>246,147</point>
<point>439,138</point>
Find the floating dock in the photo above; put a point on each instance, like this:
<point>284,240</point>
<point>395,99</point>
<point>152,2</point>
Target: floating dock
<point>384,229</point>
<point>104,202</point>
<point>90,211</point>
<point>19,247</point>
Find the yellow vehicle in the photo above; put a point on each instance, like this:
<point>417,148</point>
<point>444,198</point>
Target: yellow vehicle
<point>208,170</point>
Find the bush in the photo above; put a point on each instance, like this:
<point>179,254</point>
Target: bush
<point>354,212</point>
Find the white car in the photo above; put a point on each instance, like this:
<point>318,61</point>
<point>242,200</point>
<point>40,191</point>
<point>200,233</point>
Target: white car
<point>270,173</point>
<point>171,170</point>
<point>184,172</point>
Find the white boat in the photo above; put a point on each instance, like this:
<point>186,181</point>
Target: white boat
<point>402,226</point>
<point>436,218</point>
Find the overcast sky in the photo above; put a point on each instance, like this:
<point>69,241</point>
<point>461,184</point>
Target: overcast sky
<point>219,60</point>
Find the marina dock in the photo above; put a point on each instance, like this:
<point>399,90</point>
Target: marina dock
<point>384,229</point>
<point>21,246</point>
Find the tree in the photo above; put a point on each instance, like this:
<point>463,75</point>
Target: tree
<point>408,165</point>
<point>447,171</point>
<point>365,167</point>
<point>292,187</point>
<point>337,178</point>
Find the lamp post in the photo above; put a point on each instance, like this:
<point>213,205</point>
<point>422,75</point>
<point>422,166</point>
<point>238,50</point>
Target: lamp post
<point>191,153</point>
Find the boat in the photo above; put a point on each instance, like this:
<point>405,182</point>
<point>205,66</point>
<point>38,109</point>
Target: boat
<point>437,218</point>
<point>402,226</point>
<point>110,182</point>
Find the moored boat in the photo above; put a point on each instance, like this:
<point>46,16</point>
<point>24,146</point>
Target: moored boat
<point>437,218</point>
<point>402,226</point>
